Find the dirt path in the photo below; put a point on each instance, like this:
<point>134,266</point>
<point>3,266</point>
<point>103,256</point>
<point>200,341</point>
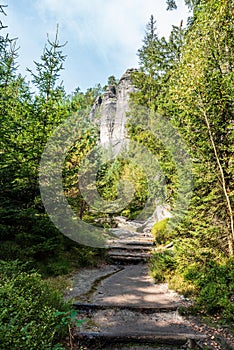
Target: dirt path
<point>132,287</point>
<point>126,310</point>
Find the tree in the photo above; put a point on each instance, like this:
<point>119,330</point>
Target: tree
<point>171,4</point>
<point>188,79</point>
<point>28,121</point>
<point>157,58</point>
<point>201,89</point>
<point>8,55</point>
<point>112,80</point>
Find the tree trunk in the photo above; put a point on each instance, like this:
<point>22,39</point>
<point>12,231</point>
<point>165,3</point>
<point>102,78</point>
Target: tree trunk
<point>228,202</point>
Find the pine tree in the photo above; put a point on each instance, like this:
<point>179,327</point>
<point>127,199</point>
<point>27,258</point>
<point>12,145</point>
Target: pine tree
<point>171,4</point>
<point>157,58</point>
<point>28,121</point>
<point>201,89</point>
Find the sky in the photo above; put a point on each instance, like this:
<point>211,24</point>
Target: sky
<point>102,36</point>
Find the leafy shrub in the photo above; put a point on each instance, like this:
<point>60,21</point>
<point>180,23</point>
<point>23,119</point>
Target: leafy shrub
<point>131,213</point>
<point>215,283</point>
<point>55,266</point>
<point>87,256</point>
<point>160,233</point>
<point>196,273</point>
<point>161,264</point>
<point>29,316</point>
<point>60,283</point>
<point>11,249</point>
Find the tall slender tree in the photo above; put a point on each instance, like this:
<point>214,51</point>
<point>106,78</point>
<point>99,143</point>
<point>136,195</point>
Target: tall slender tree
<point>157,58</point>
<point>201,90</point>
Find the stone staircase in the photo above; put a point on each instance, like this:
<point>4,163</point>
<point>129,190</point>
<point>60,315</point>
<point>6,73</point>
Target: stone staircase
<point>126,310</point>
<point>129,245</point>
<point>130,253</point>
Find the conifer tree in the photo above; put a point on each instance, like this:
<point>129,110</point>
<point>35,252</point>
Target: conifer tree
<point>157,58</point>
<point>201,88</point>
<point>28,121</point>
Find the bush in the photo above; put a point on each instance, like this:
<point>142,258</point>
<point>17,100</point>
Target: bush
<point>11,249</point>
<point>87,256</point>
<point>215,283</point>
<point>162,264</point>
<point>29,310</point>
<point>54,266</point>
<point>159,231</point>
<point>196,273</point>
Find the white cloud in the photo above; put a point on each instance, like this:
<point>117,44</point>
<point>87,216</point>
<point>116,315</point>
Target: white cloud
<point>110,26</point>
<point>103,35</point>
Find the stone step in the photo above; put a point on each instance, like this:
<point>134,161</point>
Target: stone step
<point>89,307</point>
<point>130,247</point>
<point>129,253</point>
<point>107,340</point>
<point>125,259</point>
<point>133,286</point>
<point>145,243</point>
<point>136,237</point>
<point>133,346</point>
<point>128,311</point>
<point>112,327</point>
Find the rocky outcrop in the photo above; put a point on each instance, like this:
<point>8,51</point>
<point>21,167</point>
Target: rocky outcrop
<point>109,112</point>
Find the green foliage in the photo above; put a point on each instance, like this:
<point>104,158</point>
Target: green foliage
<point>48,70</point>
<point>200,104</point>
<point>112,80</point>
<point>215,287</point>
<point>8,55</point>
<point>157,58</point>
<point>162,264</point>
<point>55,266</point>
<point>59,283</point>
<point>189,80</point>
<point>31,312</point>
<point>69,318</point>
<point>28,120</point>
<point>86,140</point>
<point>209,282</point>
<point>109,179</point>
<point>86,256</point>
<point>159,231</point>
<point>171,4</point>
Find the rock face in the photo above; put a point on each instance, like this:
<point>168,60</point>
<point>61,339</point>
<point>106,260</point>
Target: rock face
<point>109,112</point>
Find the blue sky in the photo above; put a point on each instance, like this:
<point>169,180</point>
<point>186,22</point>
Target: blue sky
<point>103,35</point>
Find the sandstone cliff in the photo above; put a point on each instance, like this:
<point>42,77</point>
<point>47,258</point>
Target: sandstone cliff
<point>109,112</point>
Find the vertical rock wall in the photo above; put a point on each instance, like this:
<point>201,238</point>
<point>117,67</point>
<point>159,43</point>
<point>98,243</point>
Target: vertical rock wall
<point>109,112</point>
